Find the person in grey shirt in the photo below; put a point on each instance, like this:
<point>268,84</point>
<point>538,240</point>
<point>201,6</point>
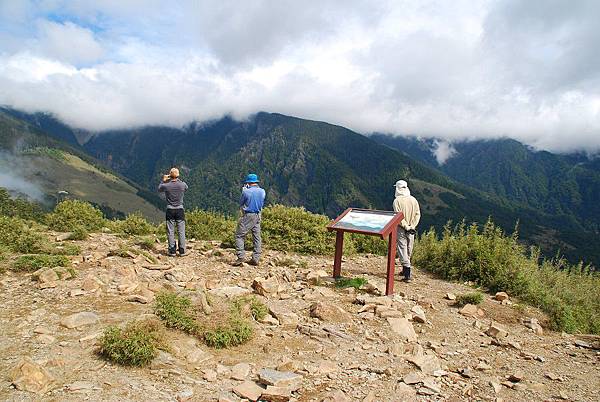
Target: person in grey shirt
<point>173,188</point>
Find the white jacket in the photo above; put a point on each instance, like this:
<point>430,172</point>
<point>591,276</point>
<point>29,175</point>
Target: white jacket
<point>409,206</point>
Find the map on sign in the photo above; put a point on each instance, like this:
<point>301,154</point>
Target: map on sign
<point>364,220</point>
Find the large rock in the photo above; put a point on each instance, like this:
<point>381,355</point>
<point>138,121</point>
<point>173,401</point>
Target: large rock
<point>188,349</point>
<point>240,371</point>
<point>405,392</point>
<point>404,328</point>
<point>329,312</point>
<point>496,331</point>
<point>183,274</point>
<point>30,376</point>
<point>80,319</point>
<point>428,364</point>
<point>500,296</point>
<point>266,287</point>
<point>418,314</point>
<point>45,275</point>
<point>314,277</point>
<point>471,310</point>
<point>533,324</point>
<point>249,390</point>
<point>277,378</point>
<point>286,318</point>
<point>276,394</point>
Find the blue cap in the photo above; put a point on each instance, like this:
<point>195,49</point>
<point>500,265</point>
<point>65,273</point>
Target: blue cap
<point>252,178</point>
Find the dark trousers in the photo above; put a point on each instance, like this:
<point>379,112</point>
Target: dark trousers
<point>175,218</point>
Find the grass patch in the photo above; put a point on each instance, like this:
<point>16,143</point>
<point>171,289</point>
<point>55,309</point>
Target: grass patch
<point>176,312</point>
<point>135,345</point>
<point>30,263</point>
<point>569,294</point>
<point>469,298</point>
<point>145,243</point>
<point>234,333</point>
<point>355,283</point>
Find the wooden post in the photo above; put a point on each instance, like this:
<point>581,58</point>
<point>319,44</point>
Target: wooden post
<point>389,286</point>
<point>339,245</point>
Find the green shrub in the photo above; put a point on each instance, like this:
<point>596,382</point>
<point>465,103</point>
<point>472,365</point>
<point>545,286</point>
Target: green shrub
<point>569,294</point>
<point>236,332</point>
<point>258,310</point>
<point>369,244</point>
<point>176,312</point>
<point>133,225</point>
<point>355,283</point>
<point>79,233</point>
<point>469,298</point>
<point>205,225</point>
<point>135,345</point>
<point>146,243</point>
<point>296,229</point>
<point>21,236</point>
<point>71,214</point>
<point>32,263</point>
<point>19,207</point>
<point>65,249</point>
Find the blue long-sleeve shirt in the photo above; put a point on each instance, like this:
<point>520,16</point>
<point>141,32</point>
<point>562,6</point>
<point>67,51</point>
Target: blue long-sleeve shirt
<point>253,199</point>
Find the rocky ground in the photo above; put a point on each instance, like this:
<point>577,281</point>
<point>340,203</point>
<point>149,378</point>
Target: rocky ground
<point>319,343</point>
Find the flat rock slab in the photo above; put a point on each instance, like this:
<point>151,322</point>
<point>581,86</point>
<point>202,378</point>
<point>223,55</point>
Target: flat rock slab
<point>428,363</point>
<point>80,319</point>
<point>30,376</point>
<point>248,390</point>
<point>403,327</point>
<point>277,378</point>
<point>276,394</point>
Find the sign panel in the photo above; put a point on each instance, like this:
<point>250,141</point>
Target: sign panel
<point>365,221</point>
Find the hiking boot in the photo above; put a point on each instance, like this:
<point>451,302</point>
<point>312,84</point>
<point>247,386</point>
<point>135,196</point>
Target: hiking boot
<point>172,253</point>
<point>238,263</point>
<point>253,262</point>
<point>407,280</point>
<point>181,252</point>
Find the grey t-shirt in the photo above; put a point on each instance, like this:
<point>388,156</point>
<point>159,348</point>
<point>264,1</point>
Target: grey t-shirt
<point>173,190</point>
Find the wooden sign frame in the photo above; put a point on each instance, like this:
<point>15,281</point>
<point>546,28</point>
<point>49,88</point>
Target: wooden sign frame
<point>389,231</point>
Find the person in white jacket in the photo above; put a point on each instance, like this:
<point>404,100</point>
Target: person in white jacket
<point>409,206</point>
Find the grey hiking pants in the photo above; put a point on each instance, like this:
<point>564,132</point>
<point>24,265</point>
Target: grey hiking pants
<point>405,243</point>
<point>176,218</point>
<point>249,222</point>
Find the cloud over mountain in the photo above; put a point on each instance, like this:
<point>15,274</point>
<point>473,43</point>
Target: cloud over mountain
<point>455,70</point>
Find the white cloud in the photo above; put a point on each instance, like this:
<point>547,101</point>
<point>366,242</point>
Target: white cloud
<point>459,70</point>
<point>442,150</point>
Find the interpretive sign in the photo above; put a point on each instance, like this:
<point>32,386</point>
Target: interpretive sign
<point>370,222</point>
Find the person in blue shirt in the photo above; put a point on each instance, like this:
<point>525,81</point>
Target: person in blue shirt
<point>251,205</point>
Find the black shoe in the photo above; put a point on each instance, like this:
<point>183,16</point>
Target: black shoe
<point>181,252</point>
<point>238,263</point>
<point>172,252</point>
<point>407,280</point>
<point>254,262</point>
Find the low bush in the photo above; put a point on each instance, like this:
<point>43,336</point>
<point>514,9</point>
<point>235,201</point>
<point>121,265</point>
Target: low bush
<point>19,207</point>
<point>79,233</point>
<point>205,225</point>
<point>65,249</point>
<point>177,312</point>
<point>71,214</point>
<point>146,243</point>
<point>32,263</point>
<point>133,225</point>
<point>296,229</point>
<point>236,332</point>
<point>569,294</point>
<point>135,345</point>
<point>469,298</point>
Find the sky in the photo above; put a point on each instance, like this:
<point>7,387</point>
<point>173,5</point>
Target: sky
<point>455,70</point>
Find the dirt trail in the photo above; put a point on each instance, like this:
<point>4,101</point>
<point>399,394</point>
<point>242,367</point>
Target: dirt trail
<point>361,352</point>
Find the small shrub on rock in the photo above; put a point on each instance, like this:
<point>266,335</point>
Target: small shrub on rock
<point>235,332</point>
<point>135,345</point>
<point>355,283</point>
<point>79,233</point>
<point>71,214</point>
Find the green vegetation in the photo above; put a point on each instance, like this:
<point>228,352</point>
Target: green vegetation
<point>135,345</point>
<point>355,283</point>
<point>79,233</point>
<point>258,309</point>
<point>19,208</point>
<point>469,298</point>
<point>146,243</point>
<point>133,225</point>
<point>569,294</point>
<point>53,153</point>
<point>71,214</point>
<point>225,328</point>
<point>32,263</point>
<point>176,312</point>
<point>206,225</point>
